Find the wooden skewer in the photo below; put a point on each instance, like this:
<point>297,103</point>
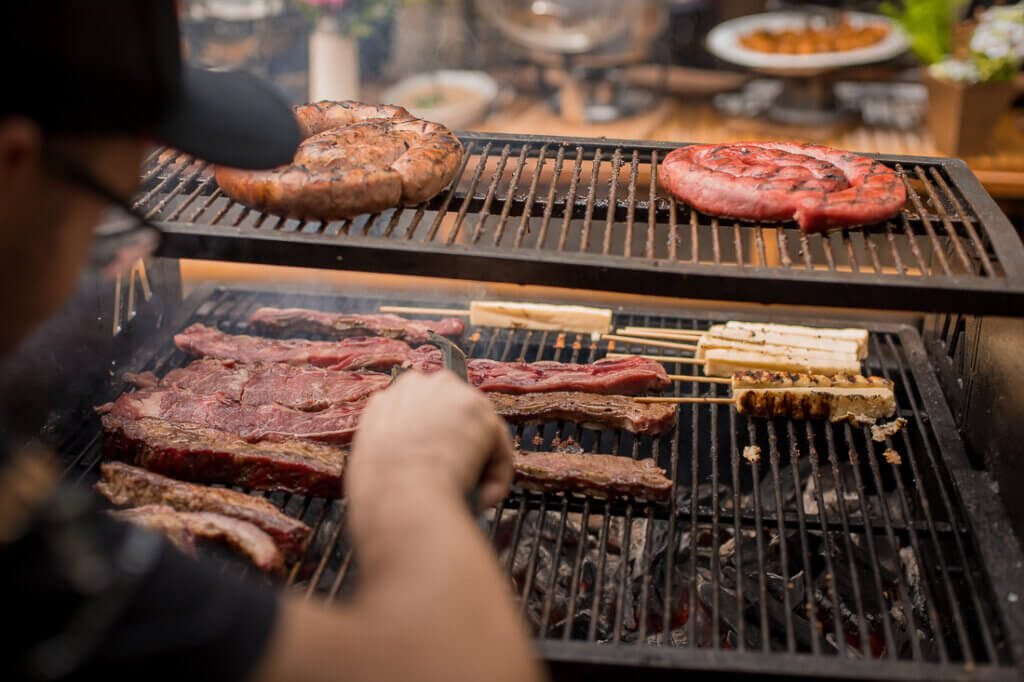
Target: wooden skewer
<point>405,309</point>
<point>649,342</point>
<point>658,358</point>
<point>700,379</point>
<point>658,333</point>
<point>683,400</point>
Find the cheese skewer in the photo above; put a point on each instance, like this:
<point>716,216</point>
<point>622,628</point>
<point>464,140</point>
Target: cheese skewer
<point>650,342</point>
<point>538,316</point>
<point>658,358</point>
<point>766,332</point>
<point>803,396</point>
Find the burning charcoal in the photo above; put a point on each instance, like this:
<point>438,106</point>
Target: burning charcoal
<point>729,614</point>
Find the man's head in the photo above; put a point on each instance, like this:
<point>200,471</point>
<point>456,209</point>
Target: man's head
<point>100,81</point>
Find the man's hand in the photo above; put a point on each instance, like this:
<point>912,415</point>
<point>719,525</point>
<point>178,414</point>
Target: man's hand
<point>434,428</point>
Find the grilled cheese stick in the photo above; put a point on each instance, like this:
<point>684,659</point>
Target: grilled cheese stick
<point>857,335</point>
<point>570,318</point>
<point>719,335</point>
<point>724,362</point>
<point>808,396</point>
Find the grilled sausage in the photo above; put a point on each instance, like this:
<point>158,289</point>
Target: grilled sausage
<point>354,158</point>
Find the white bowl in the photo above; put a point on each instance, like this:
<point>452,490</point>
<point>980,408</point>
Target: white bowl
<point>469,94</point>
<point>724,42</point>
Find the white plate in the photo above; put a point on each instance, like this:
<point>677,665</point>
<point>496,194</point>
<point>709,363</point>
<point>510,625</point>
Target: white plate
<point>724,42</point>
<point>456,115</point>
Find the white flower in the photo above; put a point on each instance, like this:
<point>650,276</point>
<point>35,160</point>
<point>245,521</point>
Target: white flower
<point>955,70</point>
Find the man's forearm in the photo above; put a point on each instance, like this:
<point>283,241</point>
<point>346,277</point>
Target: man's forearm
<point>433,602</point>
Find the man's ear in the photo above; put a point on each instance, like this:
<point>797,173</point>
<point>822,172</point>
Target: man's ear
<point>21,143</point>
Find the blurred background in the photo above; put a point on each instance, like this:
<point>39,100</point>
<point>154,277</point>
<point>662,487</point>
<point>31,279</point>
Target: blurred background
<point>928,77</point>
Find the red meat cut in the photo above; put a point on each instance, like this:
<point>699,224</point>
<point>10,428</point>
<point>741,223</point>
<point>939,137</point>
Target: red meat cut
<point>818,187</point>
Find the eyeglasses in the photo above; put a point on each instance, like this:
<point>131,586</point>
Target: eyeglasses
<point>119,241</point>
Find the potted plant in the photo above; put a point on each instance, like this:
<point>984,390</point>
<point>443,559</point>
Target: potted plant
<point>969,87</point>
<point>334,43</point>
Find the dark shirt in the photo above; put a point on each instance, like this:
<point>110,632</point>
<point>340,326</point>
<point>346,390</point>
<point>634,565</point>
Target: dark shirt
<point>88,597</point>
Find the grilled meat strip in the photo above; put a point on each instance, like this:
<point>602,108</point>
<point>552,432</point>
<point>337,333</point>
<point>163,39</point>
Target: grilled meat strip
<point>812,396</point>
<point>253,423</point>
<point>180,527</point>
<point>587,409</point>
<point>195,453</point>
<point>819,187</point>
<point>354,353</point>
<point>292,321</point>
<point>596,475</point>
<point>300,387</point>
<point>128,486</point>
<point>627,376</point>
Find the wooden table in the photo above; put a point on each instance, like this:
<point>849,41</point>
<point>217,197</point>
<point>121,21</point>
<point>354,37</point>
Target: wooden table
<point>1002,172</point>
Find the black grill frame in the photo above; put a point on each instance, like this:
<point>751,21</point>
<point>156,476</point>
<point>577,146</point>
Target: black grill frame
<point>955,251</point>
<point>978,520</point>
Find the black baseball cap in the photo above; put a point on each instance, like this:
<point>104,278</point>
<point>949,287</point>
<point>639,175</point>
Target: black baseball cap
<point>106,66</point>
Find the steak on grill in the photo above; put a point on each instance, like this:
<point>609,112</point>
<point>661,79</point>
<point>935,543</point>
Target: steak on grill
<point>252,423</point>
<point>587,409</point>
<point>292,321</point>
<point>195,453</point>
<point>629,376</point>
<point>354,353</point>
<point>128,486</point>
<point>601,476</point>
<point>300,387</point>
<point>182,527</point>
<point>819,187</point>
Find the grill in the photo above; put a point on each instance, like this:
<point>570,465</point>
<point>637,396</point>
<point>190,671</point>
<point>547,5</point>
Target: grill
<point>823,558</point>
<point>589,214</point>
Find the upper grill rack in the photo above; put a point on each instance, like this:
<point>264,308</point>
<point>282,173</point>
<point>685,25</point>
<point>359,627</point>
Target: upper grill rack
<point>590,213</point>
<point>749,562</point>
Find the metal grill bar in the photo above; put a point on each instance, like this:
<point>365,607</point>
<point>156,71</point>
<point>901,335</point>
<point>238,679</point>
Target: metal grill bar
<point>789,582</point>
<point>951,249</point>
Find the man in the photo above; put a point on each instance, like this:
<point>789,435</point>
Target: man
<point>87,597</point>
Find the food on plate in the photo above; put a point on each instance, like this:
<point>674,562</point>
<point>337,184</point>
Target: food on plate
<point>601,476</point>
<point>182,528</point>
<point>291,321</point>
<point>129,486</point>
<point>842,397</point>
<point>252,423</point>
<point>196,453</point>
<point>811,39</point>
<point>818,187</point>
<point>354,158</point>
<point>300,387</point>
<point>587,409</point>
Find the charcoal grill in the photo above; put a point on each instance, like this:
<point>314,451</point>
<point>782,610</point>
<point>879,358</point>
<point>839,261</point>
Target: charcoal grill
<point>821,559</point>
<point>589,214</point>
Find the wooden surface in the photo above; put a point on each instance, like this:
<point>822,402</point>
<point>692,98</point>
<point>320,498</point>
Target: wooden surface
<point>1002,172</point>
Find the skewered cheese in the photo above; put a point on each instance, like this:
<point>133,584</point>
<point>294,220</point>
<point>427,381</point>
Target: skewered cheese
<point>724,362</point>
<point>720,335</point>
<point>857,335</point>
<point>541,316</point>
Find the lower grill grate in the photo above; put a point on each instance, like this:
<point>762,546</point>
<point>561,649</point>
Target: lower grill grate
<point>823,557</point>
